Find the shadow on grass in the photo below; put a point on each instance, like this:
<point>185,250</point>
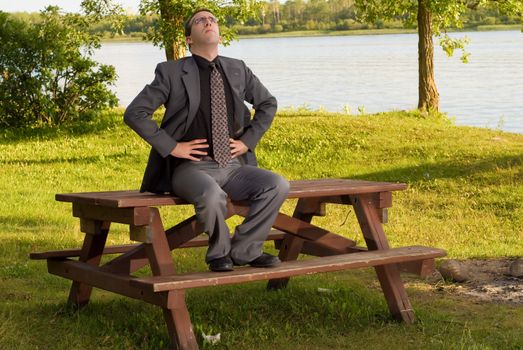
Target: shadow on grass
<point>24,223</point>
<point>107,120</point>
<point>73,160</point>
<point>116,322</point>
<point>447,170</point>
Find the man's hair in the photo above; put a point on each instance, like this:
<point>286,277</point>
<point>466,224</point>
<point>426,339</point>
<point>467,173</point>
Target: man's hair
<point>188,23</point>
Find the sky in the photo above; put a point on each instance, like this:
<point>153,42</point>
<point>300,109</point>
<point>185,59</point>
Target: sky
<point>66,5</point>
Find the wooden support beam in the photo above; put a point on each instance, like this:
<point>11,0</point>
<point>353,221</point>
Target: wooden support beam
<point>388,275</point>
<point>133,216</point>
<point>307,231</point>
<point>97,277</point>
<point>422,268</point>
<point>177,315</point>
<point>91,253</point>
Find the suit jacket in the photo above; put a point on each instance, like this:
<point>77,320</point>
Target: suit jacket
<point>177,86</point>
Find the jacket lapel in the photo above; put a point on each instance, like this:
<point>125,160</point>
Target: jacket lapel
<point>191,81</point>
<point>232,74</point>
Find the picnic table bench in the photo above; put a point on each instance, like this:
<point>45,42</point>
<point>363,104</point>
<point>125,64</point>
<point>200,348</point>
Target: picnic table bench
<point>293,235</point>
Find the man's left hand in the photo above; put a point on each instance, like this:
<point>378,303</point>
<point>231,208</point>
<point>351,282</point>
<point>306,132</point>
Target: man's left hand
<point>237,148</point>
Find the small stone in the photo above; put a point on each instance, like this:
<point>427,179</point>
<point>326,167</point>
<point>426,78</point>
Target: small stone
<point>454,270</point>
<point>516,268</point>
<point>434,277</point>
<point>212,339</point>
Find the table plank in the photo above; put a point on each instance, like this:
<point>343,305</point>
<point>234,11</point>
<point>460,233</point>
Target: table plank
<point>288,269</point>
<point>299,189</point>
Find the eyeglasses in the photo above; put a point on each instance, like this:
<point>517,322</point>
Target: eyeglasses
<point>203,20</point>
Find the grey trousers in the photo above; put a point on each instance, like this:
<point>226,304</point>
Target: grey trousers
<point>207,186</point>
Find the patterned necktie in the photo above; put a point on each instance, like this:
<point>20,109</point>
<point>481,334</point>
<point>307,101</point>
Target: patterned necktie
<point>220,128</point>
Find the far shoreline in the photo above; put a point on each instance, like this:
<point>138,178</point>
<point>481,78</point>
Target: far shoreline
<point>320,33</point>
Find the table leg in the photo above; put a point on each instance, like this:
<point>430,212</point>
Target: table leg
<point>291,246</point>
<point>388,275</point>
<point>92,250</point>
<point>136,258</point>
<point>176,314</point>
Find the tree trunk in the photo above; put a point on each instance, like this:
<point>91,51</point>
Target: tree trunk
<point>428,98</point>
<point>173,51</point>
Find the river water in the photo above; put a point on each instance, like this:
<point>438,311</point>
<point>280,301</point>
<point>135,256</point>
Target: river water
<point>368,72</point>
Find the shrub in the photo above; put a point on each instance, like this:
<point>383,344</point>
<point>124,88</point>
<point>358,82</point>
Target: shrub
<point>46,74</point>
<point>311,25</point>
<point>264,29</point>
<point>277,28</point>
<point>343,24</point>
<point>246,30</point>
<point>489,20</point>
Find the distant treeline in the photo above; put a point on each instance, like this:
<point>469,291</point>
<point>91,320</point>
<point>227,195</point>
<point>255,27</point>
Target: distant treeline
<point>294,15</point>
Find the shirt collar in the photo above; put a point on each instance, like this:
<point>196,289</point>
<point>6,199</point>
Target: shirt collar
<point>203,63</point>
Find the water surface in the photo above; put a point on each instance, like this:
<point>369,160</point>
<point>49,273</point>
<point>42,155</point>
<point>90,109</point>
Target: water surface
<point>373,72</point>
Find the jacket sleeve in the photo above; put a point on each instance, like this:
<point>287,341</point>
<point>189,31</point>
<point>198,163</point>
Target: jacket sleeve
<point>264,105</point>
<point>138,114</point>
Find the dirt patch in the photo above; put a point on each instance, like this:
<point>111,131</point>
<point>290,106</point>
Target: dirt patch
<point>489,281</point>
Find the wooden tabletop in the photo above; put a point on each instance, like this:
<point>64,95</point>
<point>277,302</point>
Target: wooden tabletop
<point>299,189</point>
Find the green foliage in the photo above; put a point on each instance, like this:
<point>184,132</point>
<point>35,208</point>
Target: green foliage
<point>446,14</point>
<point>449,44</point>
<point>169,31</point>
<point>47,76</point>
<point>104,10</point>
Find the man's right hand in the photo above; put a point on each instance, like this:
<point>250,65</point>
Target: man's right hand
<point>189,149</point>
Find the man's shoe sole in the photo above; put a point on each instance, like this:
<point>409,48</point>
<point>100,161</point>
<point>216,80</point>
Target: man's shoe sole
<point>223,269</point>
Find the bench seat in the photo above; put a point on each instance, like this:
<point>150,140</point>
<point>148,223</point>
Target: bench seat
<point>288,269</point>
<point>200,241</point>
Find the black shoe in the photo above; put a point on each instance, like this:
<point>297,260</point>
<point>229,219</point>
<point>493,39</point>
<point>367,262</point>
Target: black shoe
<point>265,260</point>
<point>221,264</point>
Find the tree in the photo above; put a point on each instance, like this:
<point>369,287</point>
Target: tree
<point>169,30</point>
<point>46,74</point>
<point>432,17</point>
<point>171,15</point>
<point>108,11</point>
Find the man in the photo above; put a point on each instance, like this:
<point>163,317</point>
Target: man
<point>203,151</point>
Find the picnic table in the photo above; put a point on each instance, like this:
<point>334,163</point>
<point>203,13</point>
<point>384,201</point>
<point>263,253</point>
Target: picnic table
<point>293,235</point>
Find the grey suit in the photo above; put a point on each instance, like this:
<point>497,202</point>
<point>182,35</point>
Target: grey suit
<point>177,86</point>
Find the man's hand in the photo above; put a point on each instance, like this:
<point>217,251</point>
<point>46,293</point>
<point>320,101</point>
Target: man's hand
<point>237,148</point>
<point>188,149</point>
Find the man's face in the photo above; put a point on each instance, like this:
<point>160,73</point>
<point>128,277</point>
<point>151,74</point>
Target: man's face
<point>204,30</point>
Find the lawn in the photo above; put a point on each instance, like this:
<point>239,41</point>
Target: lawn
<point>465,195</point>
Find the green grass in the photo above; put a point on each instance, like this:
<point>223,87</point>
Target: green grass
<point>491,27</point>
<point>465,194</point>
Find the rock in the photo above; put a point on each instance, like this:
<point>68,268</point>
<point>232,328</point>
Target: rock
<point>454,270</point>
<point>516,268</point>
<point>434,277</point>
<point>212,339</point>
